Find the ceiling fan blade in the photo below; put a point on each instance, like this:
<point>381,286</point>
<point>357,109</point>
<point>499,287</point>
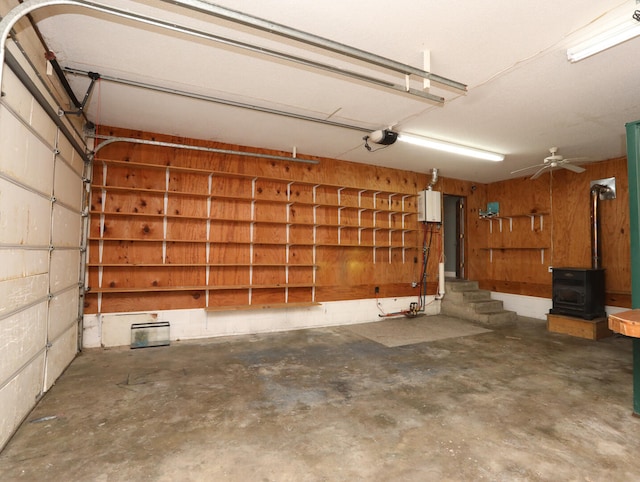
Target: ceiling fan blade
<point>574,159</point>
<point>527,168</point>
<point>571,167</point>
<point>540,171</point>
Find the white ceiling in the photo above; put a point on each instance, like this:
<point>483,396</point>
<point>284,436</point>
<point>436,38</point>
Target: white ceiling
<point>523,95</point>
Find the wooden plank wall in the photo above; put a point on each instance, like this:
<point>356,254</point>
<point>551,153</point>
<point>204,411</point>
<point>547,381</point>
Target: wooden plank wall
<point>565,234</point>
<point>514,260</point>
<point>341,272</point>
<point>572,226</point>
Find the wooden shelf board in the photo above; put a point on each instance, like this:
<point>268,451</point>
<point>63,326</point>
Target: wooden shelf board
<point>156,289</point>
<point>103,187</point>
<point>254,243</point>
<point>250,177</point>
<point>511,216</point>
<point>526,248</point>
<point>268,306</point>
<point>200,265</point>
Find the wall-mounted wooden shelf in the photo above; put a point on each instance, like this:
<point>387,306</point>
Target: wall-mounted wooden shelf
<point>531,216</point>
<point>145,289</point>
<point>158,228</point>
<point>352,190</point>
<point>199,265</point>
<point>518,248</point>
<point>522,239</point>
<point>265,306</point>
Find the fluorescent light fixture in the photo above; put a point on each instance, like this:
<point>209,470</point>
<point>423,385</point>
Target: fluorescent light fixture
<point>450,147</point>
<point>627,28</point>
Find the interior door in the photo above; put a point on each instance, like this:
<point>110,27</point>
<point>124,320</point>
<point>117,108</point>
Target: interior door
<point>454,236</point>
<point>460,238</point>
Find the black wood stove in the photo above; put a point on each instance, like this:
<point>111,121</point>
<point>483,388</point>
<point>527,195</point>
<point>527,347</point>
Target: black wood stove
<point>578,292</point>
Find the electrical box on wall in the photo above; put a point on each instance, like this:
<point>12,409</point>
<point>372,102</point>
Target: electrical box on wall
<point>430,206</point>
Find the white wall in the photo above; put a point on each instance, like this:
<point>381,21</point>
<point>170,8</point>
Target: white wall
<point>533,306</point>
<point>41,196</point>
<point>114,329</point>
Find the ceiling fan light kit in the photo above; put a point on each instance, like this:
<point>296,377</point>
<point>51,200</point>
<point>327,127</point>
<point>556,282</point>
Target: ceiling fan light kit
<point>621,31</point>
<point>551,162</point>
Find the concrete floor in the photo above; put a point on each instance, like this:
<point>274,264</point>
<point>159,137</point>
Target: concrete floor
<point>516,403</point>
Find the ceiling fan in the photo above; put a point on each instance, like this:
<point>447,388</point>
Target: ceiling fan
<point>552,161</point>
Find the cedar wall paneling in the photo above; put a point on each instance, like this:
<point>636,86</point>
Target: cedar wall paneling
<point>513,260</point>
<point>572,226</point>
<point>565,235</point>
<point>341,272</point>
<point>519,250</point>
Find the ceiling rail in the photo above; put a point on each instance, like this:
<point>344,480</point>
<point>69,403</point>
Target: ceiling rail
<point>219,100</point>
<point>111,139</point>
<point>29,6</point>
<point>311,39</point>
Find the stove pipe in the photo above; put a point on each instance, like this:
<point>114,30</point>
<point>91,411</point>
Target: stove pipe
<point>596,189</point>
<point>434,179</point>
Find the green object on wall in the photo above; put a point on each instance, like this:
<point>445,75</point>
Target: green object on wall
<point>633,165</point>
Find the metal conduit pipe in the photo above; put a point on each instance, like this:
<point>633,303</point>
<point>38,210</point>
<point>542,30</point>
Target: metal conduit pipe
<point>112,139</point>
<point>311,39</point>
<point>28,6</point>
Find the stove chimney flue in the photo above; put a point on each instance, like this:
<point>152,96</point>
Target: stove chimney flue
<point>596,191</point>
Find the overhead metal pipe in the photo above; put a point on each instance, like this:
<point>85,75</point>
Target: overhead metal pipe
<point>311,39</point>
<point>111,139</point>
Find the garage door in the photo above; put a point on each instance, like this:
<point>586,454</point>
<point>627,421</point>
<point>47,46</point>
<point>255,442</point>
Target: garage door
<point>41,225</point>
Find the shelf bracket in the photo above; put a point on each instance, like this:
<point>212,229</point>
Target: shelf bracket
<point>360,193</point>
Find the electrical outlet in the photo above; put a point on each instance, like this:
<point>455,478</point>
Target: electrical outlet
<point>414,284</point>
<point>377,289</point>
<point>550,269</point>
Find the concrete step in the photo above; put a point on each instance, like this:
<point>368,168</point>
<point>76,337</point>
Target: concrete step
<point>483,306</point>
<point>467,296</point>
<point>486,306</point>
<point>455,285</point>
<point>494,316</point>
<point>463,299</point>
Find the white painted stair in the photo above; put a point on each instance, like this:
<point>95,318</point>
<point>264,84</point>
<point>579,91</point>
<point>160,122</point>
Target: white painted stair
<point>463,299</point>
